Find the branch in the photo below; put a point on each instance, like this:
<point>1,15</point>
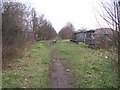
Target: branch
<point>109,13</point>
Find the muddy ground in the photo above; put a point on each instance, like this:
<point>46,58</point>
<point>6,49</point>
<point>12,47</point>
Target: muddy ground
<point>60,76</point>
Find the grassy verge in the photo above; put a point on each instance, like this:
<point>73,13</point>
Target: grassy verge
<point>31,71</point>
<point>90,68</point>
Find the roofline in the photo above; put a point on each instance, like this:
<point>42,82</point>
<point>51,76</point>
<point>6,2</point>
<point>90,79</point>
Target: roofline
<point>92,30</point>
<point>84,31</point>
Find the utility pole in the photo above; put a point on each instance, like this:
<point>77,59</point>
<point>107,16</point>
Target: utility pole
<point>118,12</point>
<point>34,21</point>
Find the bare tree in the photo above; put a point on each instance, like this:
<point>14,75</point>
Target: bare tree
<point>42,28</point>
<point>112,18</point>
<point>14,21</point>
<point>35,23</point>
<point>67,31</point>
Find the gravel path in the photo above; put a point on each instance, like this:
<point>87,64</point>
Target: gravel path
<point>60,77</point>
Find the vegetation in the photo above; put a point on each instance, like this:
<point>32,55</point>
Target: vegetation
<point>90,68</point>
<point>42,28</point>
<point>67,31</point>
<point>13,36</point>
<point>21,26</point>
<point>31,71</point>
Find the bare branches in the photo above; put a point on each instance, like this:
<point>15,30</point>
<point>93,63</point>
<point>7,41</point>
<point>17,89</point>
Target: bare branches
<point>20,26</point>
<point>110,14</point>
<point>67,31</point>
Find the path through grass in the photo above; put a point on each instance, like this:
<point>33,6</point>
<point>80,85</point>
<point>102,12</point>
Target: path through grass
<point>90,68</point>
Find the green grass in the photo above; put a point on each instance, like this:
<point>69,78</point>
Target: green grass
<point>31,71</point>
<point>90,68</point>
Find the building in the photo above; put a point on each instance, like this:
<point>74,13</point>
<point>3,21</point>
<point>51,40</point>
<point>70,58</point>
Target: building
<point>92,36</point>
<point>104,37</point>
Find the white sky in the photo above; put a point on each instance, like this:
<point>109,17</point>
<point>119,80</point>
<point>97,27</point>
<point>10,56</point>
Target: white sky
<point>81,13</point>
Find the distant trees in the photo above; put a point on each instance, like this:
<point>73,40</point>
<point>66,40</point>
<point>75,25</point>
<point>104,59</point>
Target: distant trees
<point>67,31</point>
<point>43,29</point>
<point>20,25</point>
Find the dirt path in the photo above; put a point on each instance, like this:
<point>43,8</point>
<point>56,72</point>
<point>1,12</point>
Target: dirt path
<point>60,78</point>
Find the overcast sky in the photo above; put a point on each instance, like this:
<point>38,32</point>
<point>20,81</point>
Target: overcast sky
<point>81,13</point>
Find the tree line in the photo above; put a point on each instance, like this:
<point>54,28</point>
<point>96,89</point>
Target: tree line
<point>22,25</point>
